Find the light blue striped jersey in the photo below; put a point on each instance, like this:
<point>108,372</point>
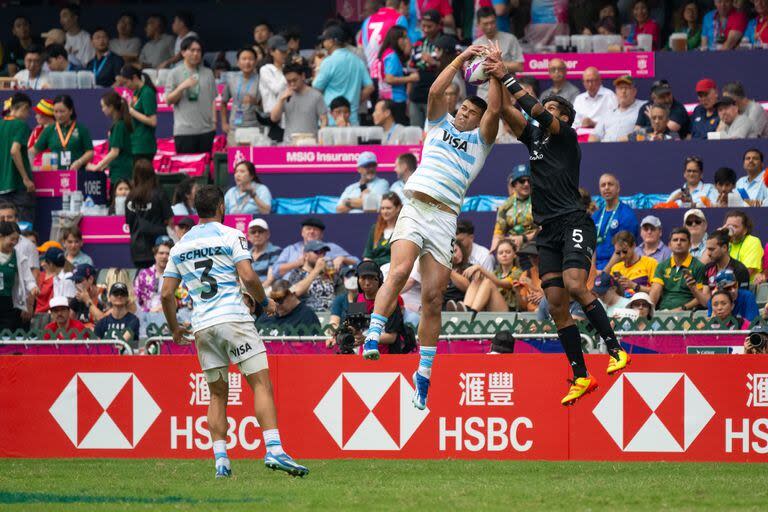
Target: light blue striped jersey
<point>204,260</point>
<point>450,161</point>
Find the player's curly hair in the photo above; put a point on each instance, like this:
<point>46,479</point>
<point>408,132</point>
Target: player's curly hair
<point>563,105</point>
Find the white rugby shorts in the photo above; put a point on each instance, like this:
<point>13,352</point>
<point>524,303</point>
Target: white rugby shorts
<point>432,229</point>
<point>238,342</point>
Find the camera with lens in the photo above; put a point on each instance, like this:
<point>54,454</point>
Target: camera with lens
<point>757,341</point>
<point>357,320</point>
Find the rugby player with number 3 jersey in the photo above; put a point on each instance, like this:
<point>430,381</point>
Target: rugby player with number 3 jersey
<point>211,260</point>
<point>566,242</point>
<point>454,152</point>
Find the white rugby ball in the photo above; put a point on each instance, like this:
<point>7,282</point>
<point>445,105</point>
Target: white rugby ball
<point>473,71</point>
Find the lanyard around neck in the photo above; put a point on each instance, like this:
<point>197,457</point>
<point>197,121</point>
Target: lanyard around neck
<point>65,140</point>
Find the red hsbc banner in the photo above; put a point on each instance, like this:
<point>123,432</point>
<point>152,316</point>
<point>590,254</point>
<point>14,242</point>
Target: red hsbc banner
<point>676,408</point>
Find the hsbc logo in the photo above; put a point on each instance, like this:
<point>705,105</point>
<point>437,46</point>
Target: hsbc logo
<point>370,411</point>
<point>653,412</point>
<point>105,410</point>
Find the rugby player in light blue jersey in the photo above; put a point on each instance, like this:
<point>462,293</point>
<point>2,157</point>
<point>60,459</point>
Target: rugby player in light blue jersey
<point>211,260</point>
<point>454,151</point>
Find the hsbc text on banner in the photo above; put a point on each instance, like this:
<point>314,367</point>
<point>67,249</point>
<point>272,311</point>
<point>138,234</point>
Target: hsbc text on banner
<point>315,159</point>
<point>611,65</point>
<point>676,408</point>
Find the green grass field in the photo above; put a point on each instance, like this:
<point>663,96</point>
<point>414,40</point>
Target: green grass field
<point>101,484</point>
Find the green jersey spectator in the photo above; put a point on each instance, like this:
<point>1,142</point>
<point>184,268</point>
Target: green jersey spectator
<point>15,172</point>
<point>143,111</point>
<point>119,159</point>
<point>678,283</point>
<point>67,138</point>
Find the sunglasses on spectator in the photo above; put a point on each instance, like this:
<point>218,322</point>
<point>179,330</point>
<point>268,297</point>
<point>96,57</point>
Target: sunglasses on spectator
<point>696,159</point>
<point>523,181</point>
<point>694,222</point>
<point>622,252</point>
<point>321,252</point>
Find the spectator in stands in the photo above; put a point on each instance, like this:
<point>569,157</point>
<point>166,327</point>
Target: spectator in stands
<point>119,158</point>
<point>751,188</point>
<point>147,213</point>
<point>57,59</point>
<point>756,32</point>
<point>292,257</point>
<point>340,112</point>
<point>678,284</point>
<point>32,76</point>
<point>690,24</point>
<point>377,247</point>
<point>619,123</point>
<point>313,282</point>
<point>342,73</point>
<point>652,246</point>
<point>607,290</point>
<point>243,89</point>
<point>119,275</point>
<point>55,281</point>
<point>725,183</point>
<point>292,314</point>
<point>425,63</point>
<point>87,306</point>
<point>119,323</point>
<point>497,289</point>
<point>614,216</point>
<point>263,252</point>
<point>13,277</point>
<point>704,117</point>
<point>514,218</point>
<point>694,192</point>
<point>748,107</point>
<point>301,107</point>
<point>148,280</point>
<point>191,89</point>
<point>78,43</point>
<point>633,272</point>
<point>26,249</point>
<point>54,36</point>
<point>366,193</point>
<point>458,284</point>
<point>182,26</point>
<point>249,194</point>
<point>184,197</point>
<point>723,27</point>
<point>720,259</point>
<point>405,166</point>
<point>453,98</point>
<point>742,299</point>
<point>511,51</point>
<point>745,247</point>
<point>72,240</point>
<point>292,35</point>
<point>641,302</point>
<point>696,223</point>
<point>374,30</point>
<point>62,324</point>
<point>560,86</point>
<point>18,46</point>
<point>271,79</point>
<point>549,18</point>
<point>182,227</point>
<point>642,23</point>
<point>446,50</point>
<point>341,302</point>
<point>383,116</point>
<point>606,20</point>
<point>118,196</point>
<point>417,9</point>
<point>659,129</point>
<point>661,94</point>
<point>126,46</point>
<point>67,137</point>
<point>159,46</point>
<point>722,313</point>
<point>43,118</point>
<point>262,31</point>
<point>16,185</point>
<point>393,78</point>
<point>595,103</point>
<point>732,124</point>
<point>143,113</point>
<point>477,254</point>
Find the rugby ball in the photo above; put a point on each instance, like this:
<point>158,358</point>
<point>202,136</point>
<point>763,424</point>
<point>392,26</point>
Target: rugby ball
<point>474,73</point>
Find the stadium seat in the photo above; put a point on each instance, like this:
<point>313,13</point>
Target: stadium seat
<point>350,136</point>
<point>63,79</point>
<point>456,322</point>
<point>762,295</point>
<point>488,322</point>
<point>86,80</point>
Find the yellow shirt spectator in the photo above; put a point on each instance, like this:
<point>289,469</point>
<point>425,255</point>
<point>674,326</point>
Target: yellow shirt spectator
<point>750,252</point>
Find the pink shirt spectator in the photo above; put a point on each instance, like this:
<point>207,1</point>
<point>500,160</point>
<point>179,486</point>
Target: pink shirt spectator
<point>373,32</point>
<point>146,286</point>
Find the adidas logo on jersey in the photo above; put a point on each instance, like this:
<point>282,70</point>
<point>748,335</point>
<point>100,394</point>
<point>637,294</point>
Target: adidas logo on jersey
<point>454,141</point>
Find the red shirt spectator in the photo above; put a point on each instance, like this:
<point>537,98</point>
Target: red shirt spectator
<point>643,24</point>
<point>63,324</point>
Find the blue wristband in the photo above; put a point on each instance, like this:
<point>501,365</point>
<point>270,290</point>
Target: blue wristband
<point>265,302</point>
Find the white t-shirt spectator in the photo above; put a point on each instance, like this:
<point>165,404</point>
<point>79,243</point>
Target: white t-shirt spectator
<point>596,108</point>
<point>741,128</point>
<point>759,117</point>
<point>79,48</point>
<point>41,82</point>
<point>703,196</point>
<point>755,190</point>
<point>481,256</point>
<point>378,186</point>
<point>271,85</point>
<point>510,51</point>
<point>302,114</point>
<point>618,123</point>
<point>63,285</point>
<point>156,52</point>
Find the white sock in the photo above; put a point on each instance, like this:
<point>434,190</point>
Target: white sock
<point>272,442</point>
<point>220,453</point>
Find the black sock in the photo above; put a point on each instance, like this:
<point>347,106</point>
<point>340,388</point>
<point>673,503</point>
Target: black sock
<point>599,319</point>
<point>570,338</point>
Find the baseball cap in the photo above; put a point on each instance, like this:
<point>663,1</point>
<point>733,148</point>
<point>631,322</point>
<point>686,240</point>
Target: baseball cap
<point>56,256</point>
<point>58,301</point>
<point>624,79</point>
<point>277,42</point>
<point>83,272</point>
<point>660,87</point>
<point>314,222</point>
<point>432,15</point>
<point>315,246</point>
<point>366,158</point>
<point>119,289</point>
<point>186,222</point>
<point>348,270</point>
<point>163,240</point>
<point>334,32</point>
<point>603,282</point>
<point>652,220</point>
<point>695,212</point>
<point>725,277</point>
<point>705,85</point>
<point>725,101</point>
<point>368,268</point>
<point>47,245</point>
<point>258,223</point>
<point>44,108</point>
<point>520,171</point>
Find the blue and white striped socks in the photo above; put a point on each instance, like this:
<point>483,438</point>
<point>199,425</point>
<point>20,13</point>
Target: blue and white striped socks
<point>220,453</point>
<point>272,442</point>
<point>426,357</point>
<point>377,325</point>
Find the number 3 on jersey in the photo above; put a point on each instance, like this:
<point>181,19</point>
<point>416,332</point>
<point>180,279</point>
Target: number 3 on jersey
<point>577,238</point>
<point>213,286</point>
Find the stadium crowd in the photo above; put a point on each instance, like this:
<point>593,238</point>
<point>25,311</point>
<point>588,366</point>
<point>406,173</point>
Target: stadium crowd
<point>291,95</point>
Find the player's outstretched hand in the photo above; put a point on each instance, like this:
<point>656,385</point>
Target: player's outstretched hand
<point>271,308</point>
<point>181,335</point>
<point>471,51</point>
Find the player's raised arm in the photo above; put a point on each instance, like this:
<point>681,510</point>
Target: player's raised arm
<point>436,106</point>
<point>511,115</point>
<point>489,124</point>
